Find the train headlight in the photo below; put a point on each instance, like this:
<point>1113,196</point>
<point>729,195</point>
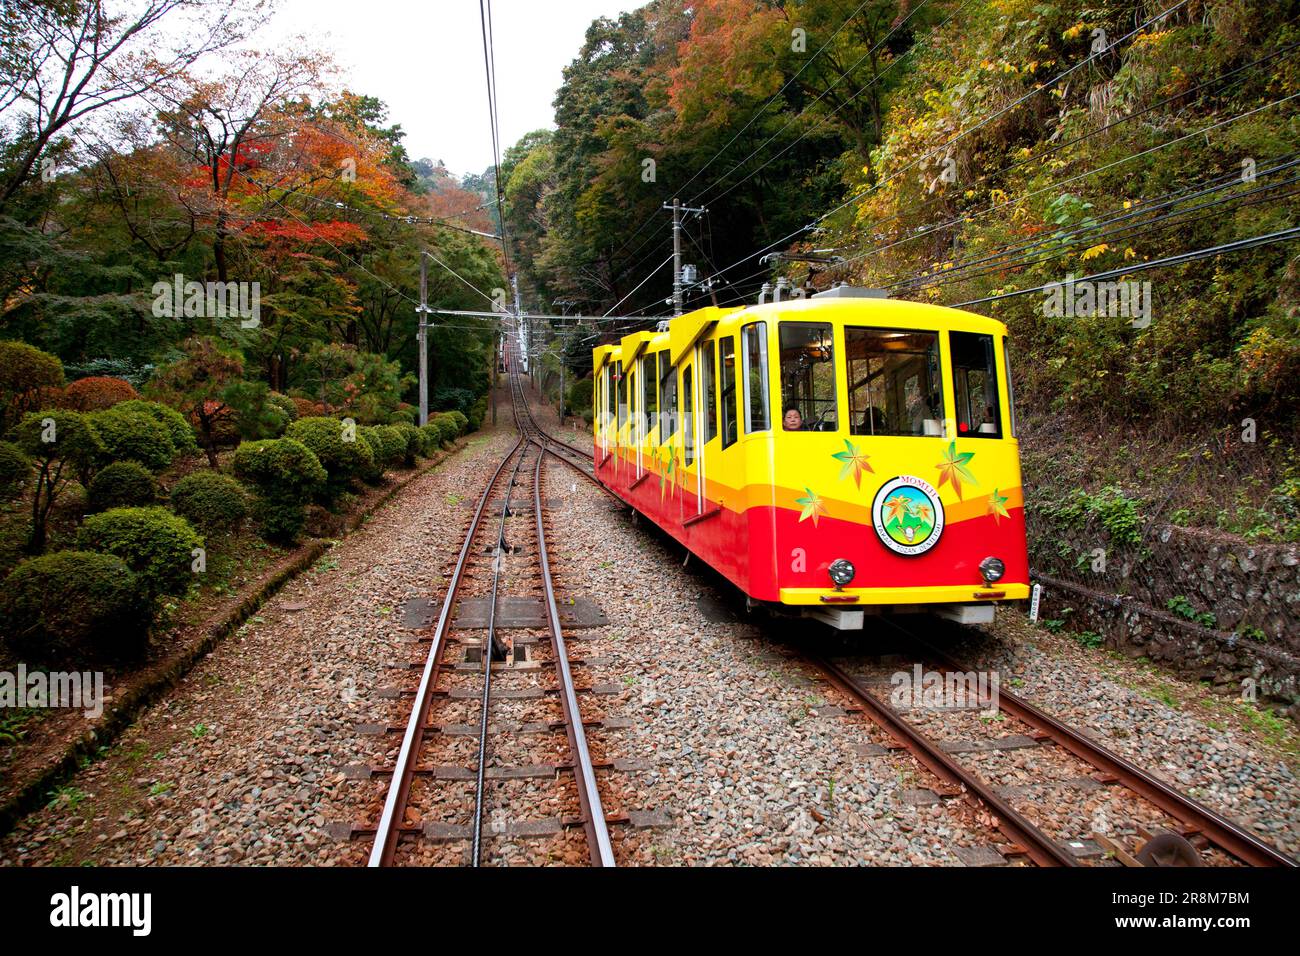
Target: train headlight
<point>992,570</point>
<point>841,572</point>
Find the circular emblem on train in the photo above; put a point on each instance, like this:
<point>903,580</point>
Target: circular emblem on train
<point>908,515</point>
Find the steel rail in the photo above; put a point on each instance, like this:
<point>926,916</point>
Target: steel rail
<point>1223,833</point>
<point>489,647</point>
<point>593,813</point>
<point>390,821</point>
<point>1037,845</point>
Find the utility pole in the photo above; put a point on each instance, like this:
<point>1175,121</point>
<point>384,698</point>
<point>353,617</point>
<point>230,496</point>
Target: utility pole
<point>423,339</point>
<point>677,209</point>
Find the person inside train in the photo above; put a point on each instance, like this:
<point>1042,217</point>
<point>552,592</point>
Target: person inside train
<point>793,419</point>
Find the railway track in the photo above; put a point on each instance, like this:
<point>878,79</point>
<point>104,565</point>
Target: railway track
<point>511,672</point>
<point>1190,820</point>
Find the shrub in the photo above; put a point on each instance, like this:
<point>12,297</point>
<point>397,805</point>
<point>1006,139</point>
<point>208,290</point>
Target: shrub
<point>476,413</point>
<point>286,475</point>
<point>24,372</point>
<point>306,408</point>
<point>98,393</point>
<point>370,435</point>
<point>451,425</point>
<point>15,469</point>
<point>287,406</point>
<point>579,399</point>
<point>178,428</point>
<point>404,414</point>
<point>462,423</point>
<point>430,438</point>
<point>211,501</point>
<point>280,468</point>
<point>414,441</point>
<point>153,542</point>
<point>133,435</point>
<point>61,445</point>
<point>73,603</point>
<point>395,445</point>
<point>343,460</point>
<point>280,521</point>
<point>123,484</point>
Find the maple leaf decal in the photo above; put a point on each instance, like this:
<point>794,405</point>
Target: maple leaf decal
<point>855,463</point>
<point>813,507</point>
<point>998,506</point>
<point>896,508</point>
<point>953,468</point>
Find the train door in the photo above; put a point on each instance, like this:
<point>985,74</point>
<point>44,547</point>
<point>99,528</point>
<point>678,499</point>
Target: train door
<point>633,424</point>
<point>649,378</point>
<point>690,431</point>
<point>706,362</point>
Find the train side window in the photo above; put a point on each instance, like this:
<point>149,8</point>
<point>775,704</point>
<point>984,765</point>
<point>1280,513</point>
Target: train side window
<point>667,397</point>
<point>688,415</point>
<point>754,337</point>
<point>709,381</point>
<point>649,394</point>
<point>807,377</point>
<point>622,394</point>
<point>975,385</point>
<point>611,395</point>
<point>894,382</point>
<point>727,361</point>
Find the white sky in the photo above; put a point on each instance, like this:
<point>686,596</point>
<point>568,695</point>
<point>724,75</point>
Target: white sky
<point>425,60</point>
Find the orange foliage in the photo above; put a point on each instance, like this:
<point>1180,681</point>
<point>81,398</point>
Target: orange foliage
<point>98,392</point>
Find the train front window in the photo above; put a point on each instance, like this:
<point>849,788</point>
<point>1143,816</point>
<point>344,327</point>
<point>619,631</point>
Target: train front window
<point>754,339</point>
<point>808,377</point>
<point>975,385</point>
<point>727,363</point>
<point>893,382</point>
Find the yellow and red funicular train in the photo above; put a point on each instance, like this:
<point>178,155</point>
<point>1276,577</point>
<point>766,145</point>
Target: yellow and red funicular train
<point>838,455</point>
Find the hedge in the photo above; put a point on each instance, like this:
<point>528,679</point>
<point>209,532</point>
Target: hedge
<point>342,459</point>
<point>156,544</point>
<point>123,484</point>
<point>66,607</point>
<point>133,435</point>
<point>98,392</point>
<point>177,426</point>
<point>211,501</point>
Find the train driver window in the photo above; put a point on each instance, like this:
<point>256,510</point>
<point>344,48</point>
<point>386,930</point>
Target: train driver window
<point>975,385</point>
<point>893,382</point>
<point>808,377</point>
<point>727,363</point>
<point>754,339</point>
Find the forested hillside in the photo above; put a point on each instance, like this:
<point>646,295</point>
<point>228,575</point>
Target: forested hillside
<point>970,153</point>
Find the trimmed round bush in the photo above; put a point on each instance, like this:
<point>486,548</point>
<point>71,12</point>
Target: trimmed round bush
<point>394,445</point>
<point>99,392</point>
<point>279,468</point>
<point>210,501</point>
<point>414,441</point>
<point>462,423</point>
<point>281,521</point>
<point>402,415</point>
<point>306,408</point>
<point>153,542</point>
<point>342,460</point>
<point>123,484</point>
<point>15,469</point>
<point>430,439</point>
<point>133,435</point>
<point>71,605</point>
<point>182,434</point>
<point>286,405</point>
<point>370,435</point>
